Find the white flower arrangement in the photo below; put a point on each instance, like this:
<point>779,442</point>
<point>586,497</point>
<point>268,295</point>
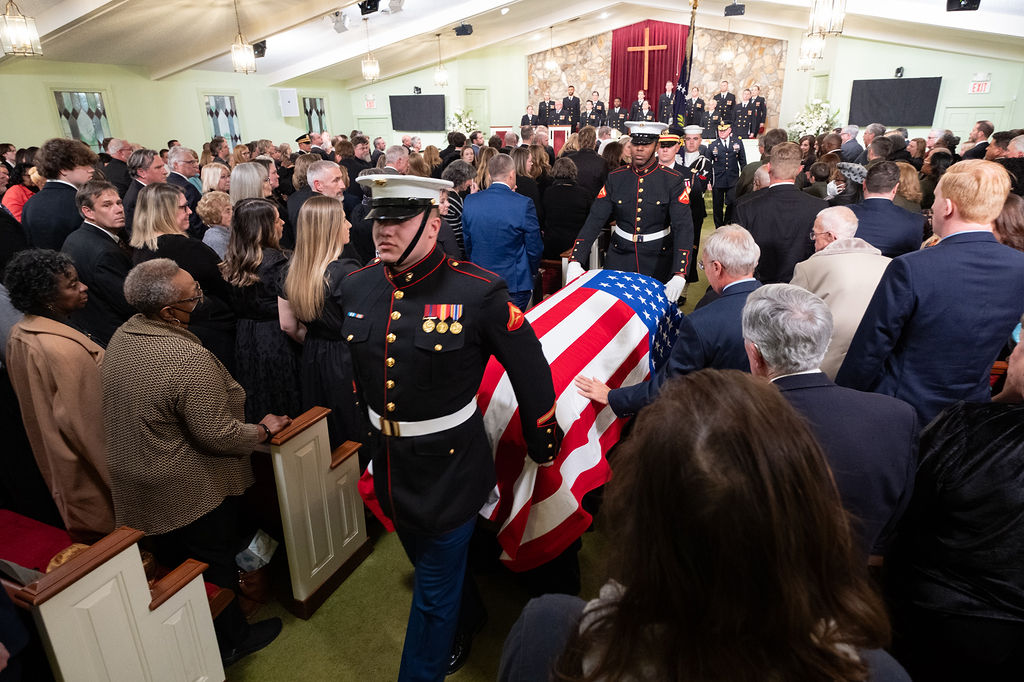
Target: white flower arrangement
<point>817,117</point>
<point>462,121</point>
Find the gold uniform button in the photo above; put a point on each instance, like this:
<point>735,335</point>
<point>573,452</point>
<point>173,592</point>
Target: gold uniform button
<point>389,383</point>
<point>408,277</point>
<point>399,294</point>
<point>551,445</point>
<point>455,263</point>
<point>437,347</point>
<point>391,338</point>
<point>395,315</point>
<point>390,362</point>
<point>349,337</point>
<point>549,430</point>
<point>640,190</point>
<point>452,451</point>
<point>391,407</point>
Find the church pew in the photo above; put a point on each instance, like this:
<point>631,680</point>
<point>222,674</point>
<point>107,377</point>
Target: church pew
<point>322,516</point>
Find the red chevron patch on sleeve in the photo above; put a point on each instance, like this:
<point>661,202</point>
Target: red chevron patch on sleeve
<point>602,194</point>
<point>515,317</point>
<point>684,198</point>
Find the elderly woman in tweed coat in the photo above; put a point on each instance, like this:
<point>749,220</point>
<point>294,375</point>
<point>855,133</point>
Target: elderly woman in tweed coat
<point>177,443</point>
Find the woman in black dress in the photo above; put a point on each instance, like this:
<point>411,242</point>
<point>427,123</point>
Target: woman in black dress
<point>266,362</point>
<point>158,231</point>
<point>313,291</point>
<point>566,206</point>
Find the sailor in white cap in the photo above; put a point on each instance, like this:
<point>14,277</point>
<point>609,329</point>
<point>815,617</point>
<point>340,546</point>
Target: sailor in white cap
<point>653,229</point>
<point>696,174</point>
<point>421,327</point>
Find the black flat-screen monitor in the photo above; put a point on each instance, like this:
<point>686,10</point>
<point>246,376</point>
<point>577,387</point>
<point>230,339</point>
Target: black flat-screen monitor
<point>417,112</point>
<point>895,101</point>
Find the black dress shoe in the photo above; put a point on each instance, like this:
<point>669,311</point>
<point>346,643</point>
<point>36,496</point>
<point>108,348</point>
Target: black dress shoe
<point>462,644</point>
<point>260,635</point>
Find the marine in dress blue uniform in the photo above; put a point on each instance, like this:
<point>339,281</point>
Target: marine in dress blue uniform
<point>421,327</point>
<point>652,230</point>
<point>727,159</point>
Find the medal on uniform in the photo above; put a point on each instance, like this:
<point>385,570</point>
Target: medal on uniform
<point>442,327</point>
<point>428,325</point>
<point>456,327</point>
<point>455,313</point>
<point>430,313</point>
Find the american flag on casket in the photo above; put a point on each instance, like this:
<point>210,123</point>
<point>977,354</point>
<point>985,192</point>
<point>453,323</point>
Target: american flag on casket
<point>614,326</point>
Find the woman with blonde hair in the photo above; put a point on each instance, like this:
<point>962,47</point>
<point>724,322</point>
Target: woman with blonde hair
<point>571,145</point>
<point>417,166</point>
<point>215,208</point>
<point>216,177</point>
<point>432,155</point>
<point>240,154</point>
<point>266,364</point>
<point>541,167</point>
<point>908,194</point>
<point>159,231</point>
<point>311,310</point>
<point>250,181</point>
<point>483,178</point>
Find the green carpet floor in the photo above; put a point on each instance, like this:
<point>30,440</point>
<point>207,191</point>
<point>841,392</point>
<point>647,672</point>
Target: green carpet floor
<point>356,636</point>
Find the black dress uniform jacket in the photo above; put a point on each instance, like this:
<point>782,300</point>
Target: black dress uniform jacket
<point>746,120</point>
<point>761,111</point>
<point>572,104</point>
<point>617,118</point>
<point>695,112</point>
<point>434,483</point>
<point>723,111</point>
<point>665,108</point>
<point>641,202</point>
<point>561,118</point>
<point>528,120</point>
<point>592,118</point>
<point>727,158</point>
<point>546,111</point>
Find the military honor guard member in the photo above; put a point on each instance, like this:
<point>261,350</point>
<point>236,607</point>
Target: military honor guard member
<point>652,229</point>
<point>591,116</point>
<point>546,110</point>
<point>746,117</point>
<point>646,113</point>
<point>636,107</point>
<point>421,327</point>
<point>727,159</point>
<point>665,100</point>
<point>529,118</point>
<point>668,151</point>
<point>599,106</point>
<point>571,103</point>
<point>696,175</point>
<point>617,116</point>
<point>695,111</point>
<point>762,110</point>
<point>725,103</point>
<point>560,116</point>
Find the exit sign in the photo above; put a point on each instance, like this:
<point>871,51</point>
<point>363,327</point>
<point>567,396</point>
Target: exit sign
<point>979,87</point>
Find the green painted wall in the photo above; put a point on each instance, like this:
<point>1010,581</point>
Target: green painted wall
<point>147,111</point>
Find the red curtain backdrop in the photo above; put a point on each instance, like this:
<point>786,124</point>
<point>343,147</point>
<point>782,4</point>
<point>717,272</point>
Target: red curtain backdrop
<point>628,67</point>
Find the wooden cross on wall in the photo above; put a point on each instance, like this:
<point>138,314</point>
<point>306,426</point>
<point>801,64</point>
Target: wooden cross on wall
<point>646,48</point>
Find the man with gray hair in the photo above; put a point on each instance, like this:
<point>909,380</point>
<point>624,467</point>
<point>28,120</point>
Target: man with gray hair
<point>511,142</point>
<point>709,337</point>
<point>870,440</point>
<point>322,177</point>
<point>379,145</point>
<point>851,149</point>
<point>844,272</point>
<point>184,164</point>
<point>146,168</point>
<point>417,144</point>
<point>870,133</point>
<point>116,170</point>
<point>501,231</point>
<point>396,160</point>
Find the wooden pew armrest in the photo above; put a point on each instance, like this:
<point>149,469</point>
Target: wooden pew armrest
<point>300,424</point>
<point>166,587</point>
<point>343,452</point>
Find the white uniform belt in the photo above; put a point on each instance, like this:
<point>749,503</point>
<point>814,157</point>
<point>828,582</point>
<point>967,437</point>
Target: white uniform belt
<point>640,238</point>
<point>390,427</point>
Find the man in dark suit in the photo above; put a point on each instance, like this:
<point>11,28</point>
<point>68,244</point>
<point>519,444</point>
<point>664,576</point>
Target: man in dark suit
<point>979,136</point>
<point>184,164</point>
<point>50,215</point>
<point>781,216</point>
<point>322,177</point>
<point>881,223</point>
<point>940,316</point>
<point>617,116</point>
<point>786,330</point>
<point>851,149</point>
<point>709,337</point>
<point>102,259</point>
<point>591,168</point>
<point>146,167</point>
<point>571,103</point>
<point>116,170</point>
<point>501,231</point>
<point>873,132</point>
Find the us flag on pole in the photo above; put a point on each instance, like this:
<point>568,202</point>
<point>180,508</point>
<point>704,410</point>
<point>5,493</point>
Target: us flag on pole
<point>614,326</point>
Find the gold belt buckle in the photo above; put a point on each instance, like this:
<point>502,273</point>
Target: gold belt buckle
<point>637,237</point>
<point>389,428</point>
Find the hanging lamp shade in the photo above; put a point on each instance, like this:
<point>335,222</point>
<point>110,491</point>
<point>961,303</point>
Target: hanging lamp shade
<point>18,34</point>
<point>827,17</point>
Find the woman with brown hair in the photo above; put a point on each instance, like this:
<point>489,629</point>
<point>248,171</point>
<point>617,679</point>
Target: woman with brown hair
<point>240,154</point>
<point>612,155</point>
<point>908,194</point>
<point>1009,226</point>
<point>266,364</point>
<point>916,148</point>
<point>432,156</point>
<point>741,563</point>
<point>312,312</point>
<point>541,167</point>
<point>483,178</point>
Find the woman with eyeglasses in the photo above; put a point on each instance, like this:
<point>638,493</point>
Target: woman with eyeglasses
<point>55,372</point>
<point>159,231</point>
<point>178,444</point>
<point>266,362</point>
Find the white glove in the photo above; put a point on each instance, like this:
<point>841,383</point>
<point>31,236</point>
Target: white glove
<point>572,271</point>
<point>674,288</point>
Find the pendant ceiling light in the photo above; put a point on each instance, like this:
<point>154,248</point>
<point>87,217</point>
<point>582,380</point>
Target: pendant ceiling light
<point>243,57</point>
<point>827,17</point>
<point>18,34</point>
<point>550,65</point>
<point>812,48</point>
<point>440,73</point>
<point>371,67</point>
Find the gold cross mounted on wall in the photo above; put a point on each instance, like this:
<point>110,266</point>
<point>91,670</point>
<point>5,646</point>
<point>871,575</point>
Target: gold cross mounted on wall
<point>646,48</point>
